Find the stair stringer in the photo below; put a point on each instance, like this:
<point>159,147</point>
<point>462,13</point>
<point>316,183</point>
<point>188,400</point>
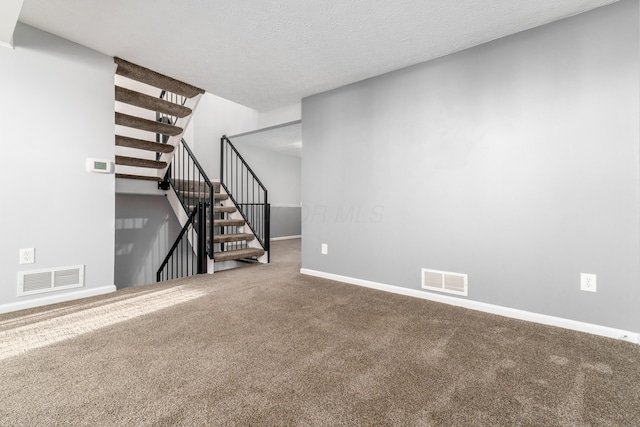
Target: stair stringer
<point>264,259</point>
<point>183,217</point>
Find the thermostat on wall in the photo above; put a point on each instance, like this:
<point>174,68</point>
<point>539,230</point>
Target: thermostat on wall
<point>99,166</point>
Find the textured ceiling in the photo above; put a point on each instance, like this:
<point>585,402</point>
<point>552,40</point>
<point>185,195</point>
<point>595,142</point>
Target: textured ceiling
<point>267,54</point>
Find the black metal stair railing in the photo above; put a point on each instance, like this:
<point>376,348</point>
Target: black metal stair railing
<point>167,118</point>
<point>192,186</point>
<point>174,98</point>
<point>246,191</point>
<point>182,260</point>
<point>194,190</point>
<point>196,194</point>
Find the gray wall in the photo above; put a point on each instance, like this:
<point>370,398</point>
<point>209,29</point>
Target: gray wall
<point>515,162</point>
<point>56,110</point>
<point>213,118</point>
<point>285,221</point>
<point>146,227</point>
<point>280,173</point>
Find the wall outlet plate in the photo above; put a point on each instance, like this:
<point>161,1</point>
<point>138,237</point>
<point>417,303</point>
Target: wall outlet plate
<point>587,282</point>
<point>325,249</point>
<point>27,256</point>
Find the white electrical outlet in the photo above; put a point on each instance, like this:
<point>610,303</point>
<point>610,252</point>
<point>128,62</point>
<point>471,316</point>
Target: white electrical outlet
<point>27,256</point>
<point>587,282</point>
<point>325,249</point>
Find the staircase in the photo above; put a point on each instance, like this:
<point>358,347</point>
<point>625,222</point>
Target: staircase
<point>224,233</point>
<point>148,126</point>
<point>232,242</point>
<point>152,113</point>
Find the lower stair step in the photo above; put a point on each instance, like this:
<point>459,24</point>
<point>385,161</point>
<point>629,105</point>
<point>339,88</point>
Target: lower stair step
<point>184,185</point>
<point>139,177</point>
<point>224,238</point>
<point>226,209</point>
<point>216,209</point>
<point>201,195</point>
<point>141,163</point>
<point>237,254</point>
<point>198,195</point>
<point>148,125</point>
<point>228,222</point>
<point>141,144</point>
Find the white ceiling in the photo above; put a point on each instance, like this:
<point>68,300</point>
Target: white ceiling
<point>271,53</point>
<point>9,12</point>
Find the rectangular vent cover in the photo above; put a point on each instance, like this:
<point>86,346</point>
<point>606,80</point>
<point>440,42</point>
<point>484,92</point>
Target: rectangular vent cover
<point>54,279</point>
<point>444,281</point>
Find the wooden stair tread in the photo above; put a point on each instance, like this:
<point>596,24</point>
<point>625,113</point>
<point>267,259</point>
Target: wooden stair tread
<point>201,195</point>
<point>152,103</point>
<point>148,125</point>
<point>145,75</point>
<point>225,209</point>
<point>141,163</point>
<point>239,237</point>
<point>237,254</point>
<point>191,185</point>
<point>141,144</point>
<point>138,177</point>
<point>216,209</point>
<point>228,222</point>
<point>196,195</point>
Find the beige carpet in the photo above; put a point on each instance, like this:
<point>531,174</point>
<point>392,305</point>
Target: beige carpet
<point>263,345</point>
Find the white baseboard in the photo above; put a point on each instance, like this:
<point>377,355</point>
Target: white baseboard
<point>544,319</point>
<point>275,239</point>
<point>53,299</point>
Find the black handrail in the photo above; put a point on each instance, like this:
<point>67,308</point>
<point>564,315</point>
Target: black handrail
<point>244,162</point>
<point>182,260</point>
<point>246,191</point>
<point>197,163</point>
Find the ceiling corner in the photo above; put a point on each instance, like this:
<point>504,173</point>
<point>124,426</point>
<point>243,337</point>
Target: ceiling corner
<point>9,13</point>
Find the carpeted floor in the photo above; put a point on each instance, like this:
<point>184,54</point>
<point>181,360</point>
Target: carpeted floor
<point>263,345</point>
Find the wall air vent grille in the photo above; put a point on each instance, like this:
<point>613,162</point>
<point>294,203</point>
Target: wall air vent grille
<point>62,278</point>
<point>36,281</point>
<point>444,281</point>
<point>54,279</point>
